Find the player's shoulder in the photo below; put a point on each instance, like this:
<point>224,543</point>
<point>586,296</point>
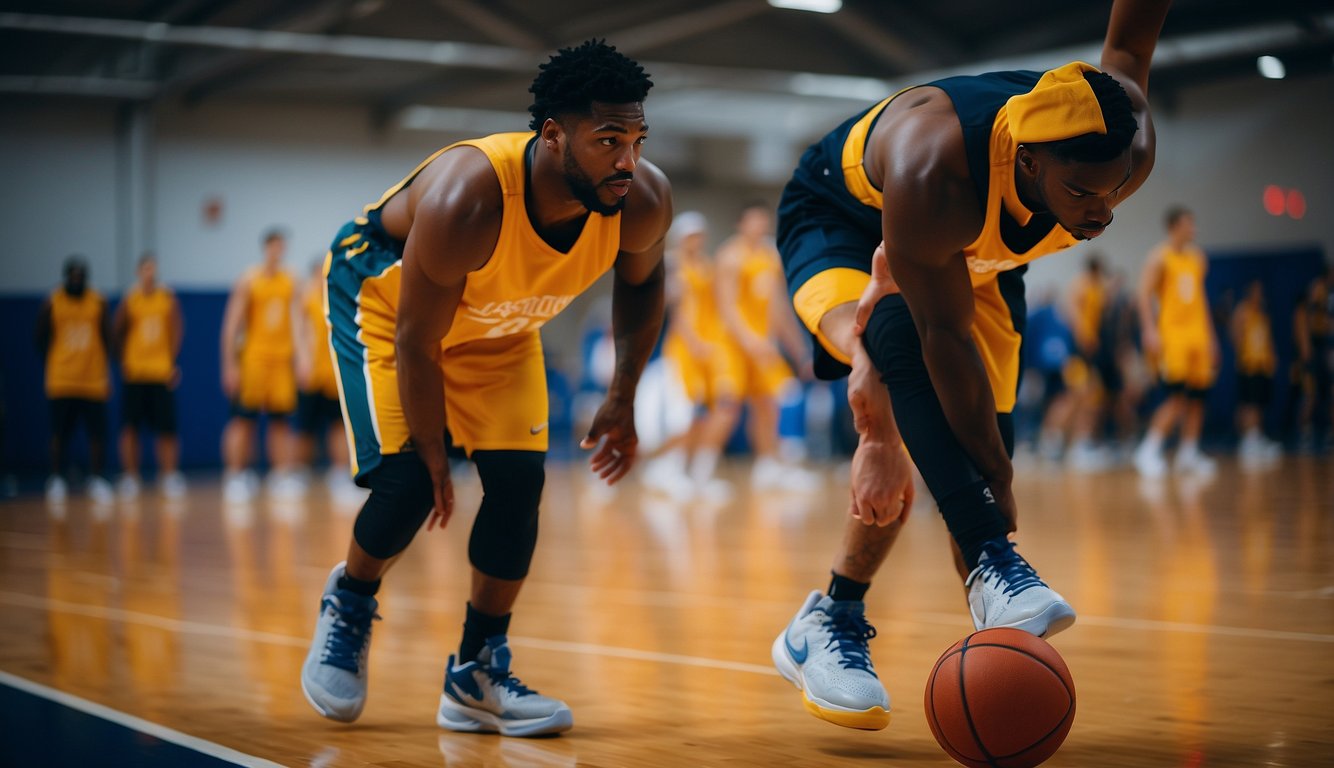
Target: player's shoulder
<point>924,167</point>
<point>460,186</point>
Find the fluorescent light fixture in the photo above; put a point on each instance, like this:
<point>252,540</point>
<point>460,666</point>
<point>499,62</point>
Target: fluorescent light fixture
<point>1271,67</point>
<point>815,6</point>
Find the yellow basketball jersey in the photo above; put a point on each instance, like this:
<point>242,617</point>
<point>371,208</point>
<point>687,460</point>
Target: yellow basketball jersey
<point>1255,348</point>
<point>268,329</point>
<point>699,304</point>
<point>526,282</point>
<point>321,372</point>
<point>760,270</point>
<point>76,362</point>
<point>1183,310</point>
<point>1088,312</point>
<point>147,357</point>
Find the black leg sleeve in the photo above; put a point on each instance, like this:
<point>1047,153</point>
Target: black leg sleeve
<point>401,498</point>
<point>505,532</point>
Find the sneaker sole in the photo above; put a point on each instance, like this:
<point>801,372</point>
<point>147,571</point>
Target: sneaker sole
<point>873,719</point>
<point>325,712</point>
<point>1054,619</point>
<point>456,717</point>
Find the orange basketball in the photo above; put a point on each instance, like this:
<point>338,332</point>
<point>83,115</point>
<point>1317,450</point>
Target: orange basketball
<point>1000,698</point>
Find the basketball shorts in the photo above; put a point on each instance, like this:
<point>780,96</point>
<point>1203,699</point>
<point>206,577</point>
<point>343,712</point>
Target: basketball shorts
<point>268,386</point>
<point>1254,388</point>
<point>150,405</point>
<point>316,412</point>
<point>706,380</point>
<point>495,389</point>
<point>1186,362</point>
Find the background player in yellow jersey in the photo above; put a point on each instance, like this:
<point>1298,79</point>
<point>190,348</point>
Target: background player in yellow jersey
<point>1087,300</point>
<point>1253,339</point>
<point>73,333</point>
<point>757,318</point>
<point>963,180</point>
<point>704,356</point>
<point>148,330</point>
<point>319,417</point>
<point>1178,333</point>
<point>258,373</point>
<point>436,296</point>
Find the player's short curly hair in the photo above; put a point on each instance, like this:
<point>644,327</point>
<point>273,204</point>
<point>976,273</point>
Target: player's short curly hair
<point>1117,114</point>
<point>576,77</point>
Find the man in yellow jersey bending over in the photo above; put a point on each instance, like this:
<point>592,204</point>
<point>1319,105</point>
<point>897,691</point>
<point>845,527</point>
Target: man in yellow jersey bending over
<point>73,333</point>
<point>965,180</point>
<point>750,298</point>
<point>1178,334</point>
<point>436,296</point>
<point>148,332</point>
<point>258,373</point>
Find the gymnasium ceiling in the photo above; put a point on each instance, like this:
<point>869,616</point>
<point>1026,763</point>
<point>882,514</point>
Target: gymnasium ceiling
<point>727,67</point>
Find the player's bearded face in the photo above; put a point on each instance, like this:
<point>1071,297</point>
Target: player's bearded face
<point>585,190</point>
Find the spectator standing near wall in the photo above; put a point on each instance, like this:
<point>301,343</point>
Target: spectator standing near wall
<point>1254,342</point>
<point>148,331</point>
<point>73,334</point>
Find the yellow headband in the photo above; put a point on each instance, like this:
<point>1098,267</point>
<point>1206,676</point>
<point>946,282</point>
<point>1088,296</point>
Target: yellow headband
<point>1060,106</point>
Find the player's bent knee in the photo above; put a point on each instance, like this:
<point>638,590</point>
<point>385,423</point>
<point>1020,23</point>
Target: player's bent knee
<point>505,533</point>
<point>401,498</point>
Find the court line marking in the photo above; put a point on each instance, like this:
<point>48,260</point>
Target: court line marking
<point>133,723</point>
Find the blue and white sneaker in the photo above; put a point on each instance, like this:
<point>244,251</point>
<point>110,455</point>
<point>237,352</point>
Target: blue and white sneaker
<point>1005,591</point>
<point>483,697</point>
<point>335,673</point>
<point>823,652</point>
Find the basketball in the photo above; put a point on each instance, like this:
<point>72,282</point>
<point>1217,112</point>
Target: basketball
<point>1000,698</point>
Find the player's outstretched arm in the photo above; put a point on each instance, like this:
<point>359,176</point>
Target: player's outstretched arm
<point>1132,35</point>
<point>455,226</point>
<point>636,320</point>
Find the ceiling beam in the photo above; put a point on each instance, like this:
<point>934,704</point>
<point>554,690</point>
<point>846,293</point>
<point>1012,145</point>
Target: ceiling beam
<point>502,30</point>
<point>660,32</point>
<point>93,87</point>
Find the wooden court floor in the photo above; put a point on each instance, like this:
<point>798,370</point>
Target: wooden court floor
<point>1205,638</point>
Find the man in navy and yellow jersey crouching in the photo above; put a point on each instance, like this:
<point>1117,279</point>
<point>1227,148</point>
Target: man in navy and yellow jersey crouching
<point>73,334</point>
<point>435,299</point>
<point>1178,335</point>
<point>258,373</point>
<point>148,331</point>
<point>963,181</point>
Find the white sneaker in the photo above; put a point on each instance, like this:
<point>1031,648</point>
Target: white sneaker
<point>1192,462</point>
<point>715,491</point>
<point>1084,456</point>
<point>286,486</point>
<point>237,488</point>
<point>1005,591</point>
<point>100,490</point>
<point>57,490</point>
<point>661,476</point>
<point>335,673</point>
<point>483,697</point>
<point>823,652</point>
<point>173,485</point>
<point>127,487</point>
<point>772,475</point>
<point>1149,460</point>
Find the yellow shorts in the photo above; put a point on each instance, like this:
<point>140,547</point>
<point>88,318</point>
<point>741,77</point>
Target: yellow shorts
<point>706,380</point>
<point>266,386</point>
<point>994,332</point>
<point>495,389</point>
<point>758,379</point>
<point>1187,361</point>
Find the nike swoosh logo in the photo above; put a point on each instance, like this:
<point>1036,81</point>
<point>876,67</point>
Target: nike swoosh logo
<point>537,430</point>
<point>798,656</point>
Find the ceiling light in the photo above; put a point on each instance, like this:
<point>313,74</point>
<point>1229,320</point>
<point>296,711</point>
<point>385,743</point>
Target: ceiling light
<point>817,6</point>
<point>1271,67</point>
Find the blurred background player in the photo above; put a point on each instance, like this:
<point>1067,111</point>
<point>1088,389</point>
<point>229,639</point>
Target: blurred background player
<point>704,357</point>
<point>73,333</point>
<point>1313,329</point>
<point>1253,339</point>
<point>319,418</point>
<point>1086,306</point>
<point>147,331</point>
<point>257,373</point>
<point>755,313</point>
<point>1178,332</point>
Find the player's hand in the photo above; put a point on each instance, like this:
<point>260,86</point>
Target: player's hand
<point>882,483</point>
<point>882,284</point>
<point>1152,342</point>
<point>614,438</point>
<point>443,489</point>
<point>231,380</point>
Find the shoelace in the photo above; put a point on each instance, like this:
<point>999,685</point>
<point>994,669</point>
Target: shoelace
<point>1010,568</point>
<point>849,632</point>
<point>509,682</point>
<point>351,630</point>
